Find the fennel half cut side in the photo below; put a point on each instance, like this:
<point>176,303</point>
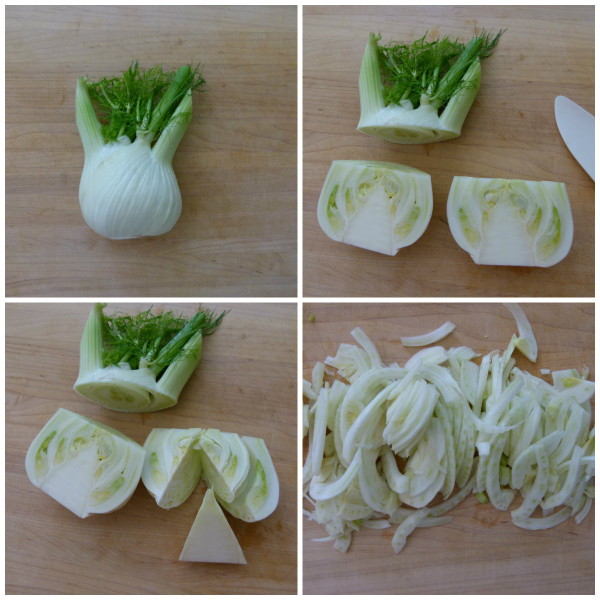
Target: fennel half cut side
<point>128,188</point>
<point>172,468</point>
<point>140,363</point>
<point>239,470</point>
<point>421,92</point>
<point>511,221</point>
<point>86,466</point>
<point>259,495</point>
<point>378,206</point>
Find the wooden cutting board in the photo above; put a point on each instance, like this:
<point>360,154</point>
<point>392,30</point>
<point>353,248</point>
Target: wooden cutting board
<point>480,551</point>
<point>245,383</point>
<point>236,164</point>
<point>510,132</point>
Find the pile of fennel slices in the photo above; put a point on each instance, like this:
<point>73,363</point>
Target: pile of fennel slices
<point>400,446</point>
<point>91,468</point>
<point>421,93</point>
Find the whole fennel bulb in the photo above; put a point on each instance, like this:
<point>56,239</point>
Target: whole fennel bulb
<point>128,188</point>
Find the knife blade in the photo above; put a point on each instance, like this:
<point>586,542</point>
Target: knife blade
<point>576,127</point>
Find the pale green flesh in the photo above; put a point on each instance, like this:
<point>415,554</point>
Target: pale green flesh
<point>404,445</point>
<point>511,222</point>
<point>260,495</point>
<point>225,462</point>
<point>377,206</point>
<point>86,466</point>
<point>505,225</point>
<point>211,538</point>
<point>173,466</point>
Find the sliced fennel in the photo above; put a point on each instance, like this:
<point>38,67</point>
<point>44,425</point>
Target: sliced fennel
<point>172,467</point>
<point>378,206</point>
<point>128,188</point>
<point>259,496</point>
<point>211,538</point>
<point>526,342</point>
<point>384,447</point>
<point>421,92</point>
<point>432,337</point>
<point>86,466</point>
<point>510,221</point>
<point>140,363</point>
<point>225,462</point>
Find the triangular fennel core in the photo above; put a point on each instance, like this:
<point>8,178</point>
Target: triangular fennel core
<point>211,538</point>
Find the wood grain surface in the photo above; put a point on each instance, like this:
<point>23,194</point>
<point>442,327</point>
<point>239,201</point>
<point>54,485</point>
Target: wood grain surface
<point>480,551</point>
<point>245,383</point>
<point>510,132</point>
<point>236,165</point>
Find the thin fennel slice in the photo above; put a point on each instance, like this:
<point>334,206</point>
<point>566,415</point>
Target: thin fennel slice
<point>86,466</point>
<point>173,467</point>
<point>421,92</point>
<point>526,343</point>
<point>378,206</point>
<point>211,538</point>
<point>431,337</point>
<point>510,221</point>
<point>140,363</point>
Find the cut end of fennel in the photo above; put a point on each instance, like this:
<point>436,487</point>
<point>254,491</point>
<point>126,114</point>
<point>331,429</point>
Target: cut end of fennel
<point>420,125</point>
<point>378,206</point>
<point>211,538</point>
<point>511,222</point>
<point>123,390</point>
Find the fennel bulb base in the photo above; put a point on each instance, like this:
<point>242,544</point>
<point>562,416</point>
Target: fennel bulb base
<point>121,392</point>
<point>408,134</point>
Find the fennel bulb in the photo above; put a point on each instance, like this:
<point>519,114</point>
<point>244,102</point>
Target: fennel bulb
<point>211,538</point>
<point>259,495</point>
<point>421,92</point>
<point>128,188</point>
<point>86,466</point>
<point>511,221</point>
<point>140,363</point>
<point>384,446</point>
<point>172,468</point>
<point>378,206</point>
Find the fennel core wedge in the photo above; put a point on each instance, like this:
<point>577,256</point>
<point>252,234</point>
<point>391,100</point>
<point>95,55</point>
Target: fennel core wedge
<point>140,363</point>
<point>128,188</point>
<point>420,92</point>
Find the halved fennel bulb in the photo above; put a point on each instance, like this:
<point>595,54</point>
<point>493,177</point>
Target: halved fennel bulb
<point>511,221</point>
<point>211,538</point>
<point>225,462</point>
<point>172,468</point>
<point>379,206</point>
<point>86,466</point>
<point>259,496</point>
